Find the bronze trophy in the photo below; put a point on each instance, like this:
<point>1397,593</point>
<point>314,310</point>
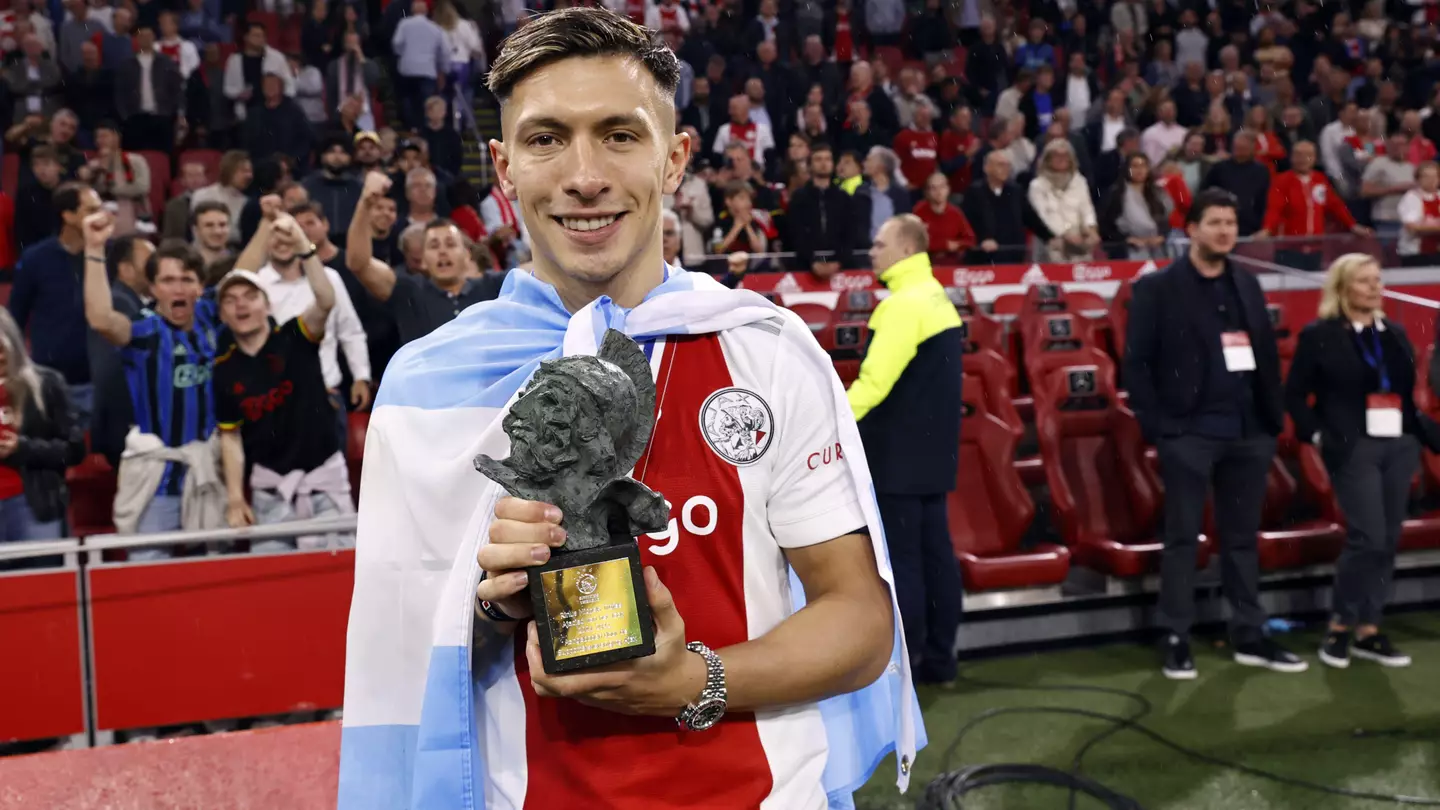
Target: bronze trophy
<point>576,431</point>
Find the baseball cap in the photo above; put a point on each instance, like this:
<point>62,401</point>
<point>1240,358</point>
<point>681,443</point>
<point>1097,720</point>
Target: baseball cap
<point>239,277</point>
<point>366,135</point>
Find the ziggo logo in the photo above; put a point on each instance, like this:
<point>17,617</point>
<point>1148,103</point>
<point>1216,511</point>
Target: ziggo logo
<point>699,516</point>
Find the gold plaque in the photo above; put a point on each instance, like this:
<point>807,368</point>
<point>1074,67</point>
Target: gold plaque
<point>590,608</point>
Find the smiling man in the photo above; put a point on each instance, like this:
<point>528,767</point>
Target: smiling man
<point>779,678</point>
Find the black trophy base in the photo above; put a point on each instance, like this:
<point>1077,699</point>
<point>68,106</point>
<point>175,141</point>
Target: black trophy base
<point>591,608</point>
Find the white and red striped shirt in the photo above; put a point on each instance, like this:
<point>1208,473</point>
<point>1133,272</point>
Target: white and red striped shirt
<point>746,452</point>
<point>756,137</point>
<point>1416,208</point>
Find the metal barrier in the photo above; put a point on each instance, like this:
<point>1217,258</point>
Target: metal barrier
<point>92,647</point>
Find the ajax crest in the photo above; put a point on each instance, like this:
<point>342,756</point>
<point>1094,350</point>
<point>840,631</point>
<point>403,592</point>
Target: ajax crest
<point>738,425</point>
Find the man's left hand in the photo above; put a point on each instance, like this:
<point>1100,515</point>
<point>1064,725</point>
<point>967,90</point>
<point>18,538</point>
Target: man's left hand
<point>660,685</point>
<point>360,395</point>
<point>1361,230</point>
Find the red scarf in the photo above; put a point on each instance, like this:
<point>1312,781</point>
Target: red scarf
<point>507,211</point>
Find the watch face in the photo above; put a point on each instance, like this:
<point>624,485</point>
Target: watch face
<point>707,714</point>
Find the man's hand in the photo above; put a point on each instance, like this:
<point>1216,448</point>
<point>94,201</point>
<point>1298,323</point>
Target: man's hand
<point>1361,230</point>
<point>377,185</point>
<point>287,229</point>
<point>1263,233</point>
<point>952,245</point>
<point>238,515</point>
<point>98,228</point>
<point>8,442</point>
<point>360,395</point>
<point>520,537</point>
<point>824,269</point>
<point>989,246</point>
<point>271,206</point>
<point>660,685</point>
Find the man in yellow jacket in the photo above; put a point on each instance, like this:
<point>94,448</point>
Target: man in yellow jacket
<point>907,403</point>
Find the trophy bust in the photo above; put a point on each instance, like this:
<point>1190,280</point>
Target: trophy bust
<point>575,433</point>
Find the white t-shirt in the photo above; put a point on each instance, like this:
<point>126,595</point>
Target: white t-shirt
<point>465,43</point>
<point>290,299</point>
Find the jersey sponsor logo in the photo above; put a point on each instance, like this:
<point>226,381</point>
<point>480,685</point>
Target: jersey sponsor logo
<point>698,516</point>
<point>738,425</point>
<point>1317,193</point>
<point>824,457</point>
<point>261,404</point>
<point>189,375</point>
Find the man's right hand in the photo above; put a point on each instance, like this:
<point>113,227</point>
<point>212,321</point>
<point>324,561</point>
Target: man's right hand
<point>98,227</point>
<point>271,206</point>
<point>238,515</point>
<point>989,246</point>
<point>377,185</point>
<point>521,537</point>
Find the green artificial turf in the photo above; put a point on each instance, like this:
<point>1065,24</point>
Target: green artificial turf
<point>1365,728</point>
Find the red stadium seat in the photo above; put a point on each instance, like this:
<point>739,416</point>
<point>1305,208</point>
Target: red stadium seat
<point>355,449</point>
<point>10,174</point>
<point>159,163</point>
<point>288,37</point>
<point>1286,543</point>
<point>815,316</point>
<point>1057,339</point>
<point>1120,316</point>
<point>5,294</point>
<point>1420,532</point>
<point>1107,501</point>
<point>92,496</point>
<point>990,510</point>
<point>846,343</point>
<point>1286,334</point>
<point>271,21</point>
<point>988,373</point>
<point>962,299</point>
<point>858,302</point>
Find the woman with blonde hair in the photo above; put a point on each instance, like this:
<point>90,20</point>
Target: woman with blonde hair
<point>1359,368</point>
<point>39,439</point>
<point>1062,199</point>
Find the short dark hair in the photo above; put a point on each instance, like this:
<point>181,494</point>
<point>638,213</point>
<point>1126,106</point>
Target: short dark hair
<point>121,249</point>
<point>43,152</point>
<point>252,25</point>
<point>177,249</point>
<point>66,198</point>
<point>567,33</point>
<point>218,269</point>
<point>1210,198</point>
<point>312,207</point>
<point>208,207</point>
<point>736,188</point>
<point>821,145</point>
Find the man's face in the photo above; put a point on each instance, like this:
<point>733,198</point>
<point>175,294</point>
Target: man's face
<point>407,159</point>
<point>244,173</point>
<point>47,172</point>
<point>1216,232</point>
<point>814,49</point>
<point>62,129</point>
<point>133,271</point>
<point>848,167</point>
<point>315,228</point>
<point>420,191</point>
<point>1167,112</point>
<point>435,114</point>
<point>89,204</point>
<point>822,165</point>
<point>755,91</point>
<point>739,109</point>
<point>384,215</point>
<point>245,309</point>
<point>89,54</point>
<point>169,25</point>
<point>887,248</point>
<point>212,228</point>
<point>192,176</point>
<point>670,236</point>
<point>1077,64</point>
<point>766,52</point>
<point>1243,148</point>
<point>445,254</point>
<point>997,168</point>
<point>1395,146</point>
<point>1302,157</point>
<point>1115,104</point>
<point>255,39</point>
<point>937,188</point>
<point>144,39</point>
<point>107,140</point>
<point>860,115</point>
<point>1429,179</point>
<point>1410,123</point>
<point>336,159</point>
<point>700,88</point>
<point>367,152</point>
<point>590,151</point>
<point>272,87</point>
<point>1044,80</point>
<point>175,289</point>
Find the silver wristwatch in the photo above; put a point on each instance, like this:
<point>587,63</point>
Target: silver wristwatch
<point>707,709</point>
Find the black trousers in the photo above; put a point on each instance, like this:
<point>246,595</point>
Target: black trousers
<point>1373,487</point>
<point>927,580</point>
<point>1189,466</point>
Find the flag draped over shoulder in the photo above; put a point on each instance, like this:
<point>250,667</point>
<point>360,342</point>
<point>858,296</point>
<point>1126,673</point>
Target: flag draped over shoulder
<point>416,712</point>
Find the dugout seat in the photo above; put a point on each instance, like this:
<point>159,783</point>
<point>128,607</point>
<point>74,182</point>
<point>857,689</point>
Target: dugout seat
<point>1106,498</point>
<point>1287,335</point>
<point>858,303</point>
<point>990,510</point>
<point>1120,316</point>
<point>1058,339</point>
<point>846,342</point>
<point>92,497</point>
<point>815,316</point>
<point>159,163</point>
<point>1287,542</point>
<point>989,374</point>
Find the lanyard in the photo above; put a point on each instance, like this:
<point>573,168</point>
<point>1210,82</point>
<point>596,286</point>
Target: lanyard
<point>1375,360</point>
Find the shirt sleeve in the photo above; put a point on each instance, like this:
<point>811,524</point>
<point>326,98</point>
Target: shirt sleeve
<point>1411,209</point>
<point>142,333</point>
<point>349,331</point>
<point>229,415</point>
<point>893,344</point>
<point>811,500</point>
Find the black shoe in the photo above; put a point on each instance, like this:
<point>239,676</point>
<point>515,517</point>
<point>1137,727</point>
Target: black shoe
<point>1335,652</point>
<point>1179,665</point>
<point>1378,648</point>
<point>1266,653</point>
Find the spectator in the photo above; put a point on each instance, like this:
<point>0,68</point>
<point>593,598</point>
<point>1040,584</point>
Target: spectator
<point>768,27</point>
<point>667,15</point>
<point>467,57</point>
<point>319,37</point>
<point>1332,142</point>
<point>1079,90</point>
<point>175,218</point>
<point>758,112</point>
<point>35,215</point>
<point>422,55</point>
<point>309,91</point>
<point>986,66</point>
<point>822,219</point>
<point>149,94</point>
<point>757,138</point>
<point>271,407</point>
<point>817,69</point>
<point>1420,149</point>
<point>905,401</point>
<point>277,126</point>
<point>1060,198</point>
<point>420,191</point>
<point>918,148</point>
<point>34,82</point>
<point>168,355</point>
<point>863,88</point>
<point>1114,118</point>
<point>210,227</point>
<point>959,147</point>
<point>701,114</point>
<point>1163,136</point>
<point>122,178</point>
<point>691,202</point>
<point>1063,128</point>
<point>910,97</point>
<point>1035,51</point>
<point>504,223</point>
<point>46,295</point>
<point>368,153</point>
<point>1114,165</point>
<point>1134,218</point>
<point>949,231</point>
<point>1369,436</point>
<point>741,227</point>
<point>1269,151</point>
<point>236,172</point>
<point>376,317</point>
<point>1386,179</point>
<point>1038,105</point>
<point>125,259</point>
<point>285,281</point>
<point>447,150</point>
<point>39,439</point>
<point>1170,179</point>
<point>117,45</point>
<point>421,303</point>
<point>1297,210</point>
<point>1215,414</point>
<point>78,28</point>
<point>1007,105</point>
<point>209,112</point>
<point>464,203</point>
<point>352,76</point>
<point>199,24</point>
<point>90,91</point>
<point>1192,102</point>
<point>1418,243</point>
<point>1162,70</point>
<point>1241,175</point>
<point>1325,107</point>
<point>335,187</point>
<point>246,70</point>
<point>670,241</point>
<point>182,51</point>
<point>1293,128</point>
<point>861,135</point>
<point>881,195</point>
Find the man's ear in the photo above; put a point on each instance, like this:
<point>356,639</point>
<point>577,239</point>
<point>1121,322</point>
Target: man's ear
<point>677,160</point>
<point>500,158</point>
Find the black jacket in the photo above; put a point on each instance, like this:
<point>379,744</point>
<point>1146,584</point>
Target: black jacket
<point>820,220</point>
<point>1250,182</point>
<point>1167,359</point>
<point>49,444</point>
<point>1328,366</point>
<point>1006,218</point>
